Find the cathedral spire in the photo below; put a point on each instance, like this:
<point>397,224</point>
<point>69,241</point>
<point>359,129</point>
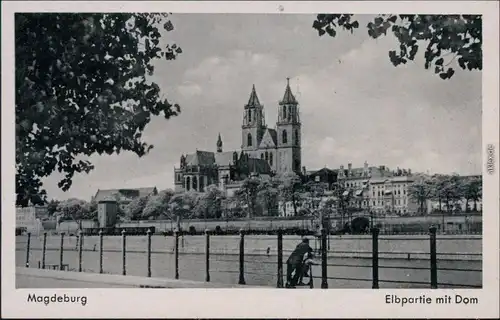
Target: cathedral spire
<point>288,97</point>
<point>219,144</point>
<point>254,100</point>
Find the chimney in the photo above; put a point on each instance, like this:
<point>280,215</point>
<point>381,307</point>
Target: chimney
<point>304,171</point>
<point>349,166</point>
<point>366,166</point>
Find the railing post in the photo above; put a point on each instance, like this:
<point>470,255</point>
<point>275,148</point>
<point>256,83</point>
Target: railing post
<point>100,251</point>
<point>44,249</point>
<point>124,253</point>
<point>80,250</point>
<point>242,258</point>
<point>149,252</point>
<point>207,256</point>
<point>375,233</point>
<point>176,253</point>
<point>279,284</point>
<point>324,266</point>
<point>433,259</point>
<point>311,279</point>
<point>61,252</point>
<point>28,244</point>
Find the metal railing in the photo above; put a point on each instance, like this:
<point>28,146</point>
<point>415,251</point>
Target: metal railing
<point>324,264</point>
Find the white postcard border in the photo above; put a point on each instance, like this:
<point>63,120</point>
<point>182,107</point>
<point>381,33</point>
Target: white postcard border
<point>248,303</point>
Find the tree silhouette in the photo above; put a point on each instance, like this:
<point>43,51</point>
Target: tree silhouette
<point>420,191</point>
<point>81,89</point>
<point>456,38</point>
<point>247,194</point>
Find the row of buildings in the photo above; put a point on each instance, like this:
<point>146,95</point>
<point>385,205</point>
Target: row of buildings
<point>266,152</point>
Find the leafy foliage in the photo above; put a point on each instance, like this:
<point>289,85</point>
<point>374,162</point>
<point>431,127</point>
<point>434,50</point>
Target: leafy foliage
<point>81,89</point>
<point>247,194</point>
<point>267,195</point>
<point>444,35</point>
<point>290,189</point>
<point>209,204</point>
<point>134,210</point>
<point>52,206</point>
<point>75,210</point>
<point>157,205</point>
<point>420,191</point>
<point>181,206</point>
<point>473,190</point>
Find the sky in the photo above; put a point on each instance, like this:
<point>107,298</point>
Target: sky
<point>355,105</point>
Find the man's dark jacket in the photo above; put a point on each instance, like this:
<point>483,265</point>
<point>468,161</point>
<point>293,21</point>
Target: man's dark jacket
<point>298,254</point>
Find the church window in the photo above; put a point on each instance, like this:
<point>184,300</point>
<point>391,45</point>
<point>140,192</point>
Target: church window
<point>284,137</point>
<point>267,156</point>
<point>289,112</point>
<point>271,159</point>
<point>262,156</point>
<point>249,140</point>
<point>188,183</point>
<point>296,136</point>
<point>249,115</point>
<point>284,112</point>
<point>195,183</point>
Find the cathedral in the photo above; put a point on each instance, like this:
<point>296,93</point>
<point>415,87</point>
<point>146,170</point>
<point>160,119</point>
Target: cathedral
<point>264,151</point>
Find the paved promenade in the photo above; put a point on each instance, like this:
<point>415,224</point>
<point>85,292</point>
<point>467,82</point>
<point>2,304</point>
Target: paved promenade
<point>39,278</point>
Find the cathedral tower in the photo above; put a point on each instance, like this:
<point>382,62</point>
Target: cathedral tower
<point>253,127</point>
<point>289,133</point>
<point>219,144</point>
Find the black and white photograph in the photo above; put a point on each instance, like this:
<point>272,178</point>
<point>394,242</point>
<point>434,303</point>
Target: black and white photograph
<point>244,150</point>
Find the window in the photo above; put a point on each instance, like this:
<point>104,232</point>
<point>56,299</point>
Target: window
<point>296,136</point>
<point>284,137</point>
<point>195,183</point>
<point>202,186</point>
<point>262,156</point>
<point>284,112</point>
<point>289,112</point>
<point>249,140</point>
<point>188,183</point>
<point>178,177</point>
<point>249,115</point>
<point>271,159</point>
<point>316,178</point>
<point>267,156</point>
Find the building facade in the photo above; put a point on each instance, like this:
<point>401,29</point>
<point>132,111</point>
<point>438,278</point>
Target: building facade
<point>264,151</point>
<point>377,189</point>
<point>123,196</point>
<point>31,218</point>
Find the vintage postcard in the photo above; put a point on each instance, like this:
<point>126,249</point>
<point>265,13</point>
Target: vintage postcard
<point>250,159</point>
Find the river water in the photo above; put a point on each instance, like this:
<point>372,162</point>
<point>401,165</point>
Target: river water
<point>349,265</point>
